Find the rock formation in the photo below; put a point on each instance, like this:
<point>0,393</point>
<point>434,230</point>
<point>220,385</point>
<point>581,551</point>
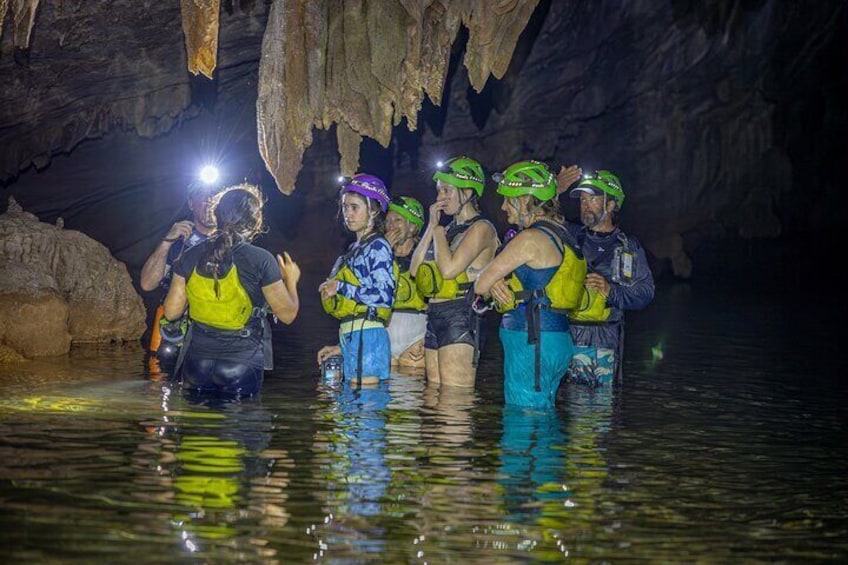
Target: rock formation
<point>710,112</point>
<point>366,65</point>
<point>59,287</point>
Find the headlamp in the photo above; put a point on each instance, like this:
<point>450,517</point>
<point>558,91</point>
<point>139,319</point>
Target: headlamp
<point>209,174</point>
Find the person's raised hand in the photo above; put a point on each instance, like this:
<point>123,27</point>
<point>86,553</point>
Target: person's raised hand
<point>436,213</point>
<point>179,230</point>
<point>394,236</point>
<point>288,268</point>
<point>567,176</point>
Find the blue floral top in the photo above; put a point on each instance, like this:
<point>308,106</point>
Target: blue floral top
<point>372,265</point>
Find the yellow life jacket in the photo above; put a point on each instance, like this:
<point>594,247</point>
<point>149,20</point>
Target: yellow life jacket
<point>341,307</point>
<point>565,289</point>
<point>229,308</point>
<point>428,278</point>
<point>431,284</point>
<point>592,308</point>
<point>407,295</point>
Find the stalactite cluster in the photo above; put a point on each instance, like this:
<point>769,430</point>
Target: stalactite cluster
<point>22,18</point>
<point>365,65</point>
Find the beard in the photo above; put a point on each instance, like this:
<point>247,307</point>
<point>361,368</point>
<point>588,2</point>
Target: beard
<point>590,219</point>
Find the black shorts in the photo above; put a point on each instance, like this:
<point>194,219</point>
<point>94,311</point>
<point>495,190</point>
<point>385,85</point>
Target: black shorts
<point>450,322</point>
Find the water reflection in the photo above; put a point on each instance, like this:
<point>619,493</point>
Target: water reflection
<point>731,447</point>
<point>350,446</point>
<point>211,461</point>
<point>553,470</point>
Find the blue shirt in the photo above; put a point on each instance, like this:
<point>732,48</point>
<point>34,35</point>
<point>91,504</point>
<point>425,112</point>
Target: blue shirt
<point>372,266</point>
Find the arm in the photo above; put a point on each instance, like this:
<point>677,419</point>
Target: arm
<point>373,270</point>
<point>477,238</point>
<point>633,297</point>
<point>175,302</point>
<point>516,253</point>
<point>154,267</point>
<point>424,244</point>
<point>282,295</point>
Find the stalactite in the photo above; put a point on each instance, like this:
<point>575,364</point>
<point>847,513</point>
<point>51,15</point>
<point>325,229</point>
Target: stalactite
<point>22,19</point>
<point>366,65</point>
<point>201,19</point>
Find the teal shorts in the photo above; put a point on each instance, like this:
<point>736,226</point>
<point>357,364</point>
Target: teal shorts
<point>520,367</point>
<point>376,353</point>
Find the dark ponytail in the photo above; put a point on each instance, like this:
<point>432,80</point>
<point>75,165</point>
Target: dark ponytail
<point>238,218</point>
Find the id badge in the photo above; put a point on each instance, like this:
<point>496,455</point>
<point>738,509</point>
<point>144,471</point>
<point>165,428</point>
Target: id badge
<point>623,266</point>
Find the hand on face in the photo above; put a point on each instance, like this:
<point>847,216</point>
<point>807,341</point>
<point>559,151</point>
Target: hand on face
<point>436,212</point>
<point>179,230</point>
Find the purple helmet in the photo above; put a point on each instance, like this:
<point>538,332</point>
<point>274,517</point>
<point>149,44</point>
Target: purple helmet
<point>368,186</point>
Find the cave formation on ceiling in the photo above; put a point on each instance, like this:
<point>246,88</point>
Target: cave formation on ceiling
<point>367,65</point>
<point>709,111</point>
<point>361,65</point>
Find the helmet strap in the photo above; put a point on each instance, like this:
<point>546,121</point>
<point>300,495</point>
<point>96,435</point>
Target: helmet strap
<point>462,202</point>
<point>527,216</point>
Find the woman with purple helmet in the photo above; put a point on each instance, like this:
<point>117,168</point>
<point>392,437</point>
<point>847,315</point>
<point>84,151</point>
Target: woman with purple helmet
<point>361,287</point>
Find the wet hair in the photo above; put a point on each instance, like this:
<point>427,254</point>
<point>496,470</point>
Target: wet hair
<point>238,217</point>
<point>550,208</point>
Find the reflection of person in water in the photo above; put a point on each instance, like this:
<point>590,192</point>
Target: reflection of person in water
<point>209,457</point>
<point>553,470</point>
<point>532,459</point>
<point>355,465</point>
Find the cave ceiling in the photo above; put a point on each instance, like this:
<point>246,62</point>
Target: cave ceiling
<point>705,109</point>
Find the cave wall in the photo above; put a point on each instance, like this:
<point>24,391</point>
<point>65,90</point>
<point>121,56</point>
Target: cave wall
<point>710,112</point>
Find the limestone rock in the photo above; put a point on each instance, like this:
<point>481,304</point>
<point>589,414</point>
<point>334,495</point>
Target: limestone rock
<point>59,287</point>
<point>366,65</point>
<point>200,26</point>
<point>9,356</point>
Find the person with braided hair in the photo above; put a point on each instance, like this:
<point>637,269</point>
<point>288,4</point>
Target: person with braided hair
<point>229,285</point>
<point>534,281</point>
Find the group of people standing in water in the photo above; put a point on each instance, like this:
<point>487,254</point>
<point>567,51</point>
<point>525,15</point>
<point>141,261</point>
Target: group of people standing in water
<point>416,298</point>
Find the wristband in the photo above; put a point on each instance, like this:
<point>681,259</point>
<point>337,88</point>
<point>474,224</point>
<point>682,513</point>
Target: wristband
<point>170,240</point>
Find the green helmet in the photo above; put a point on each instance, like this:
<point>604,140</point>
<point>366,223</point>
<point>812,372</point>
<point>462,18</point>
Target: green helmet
<point>462,172</point>
<point>600,182</point>
<point>527,177</point>
<point>409,208</point>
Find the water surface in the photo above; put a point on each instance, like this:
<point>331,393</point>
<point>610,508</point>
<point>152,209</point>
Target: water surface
<point>727,442</point>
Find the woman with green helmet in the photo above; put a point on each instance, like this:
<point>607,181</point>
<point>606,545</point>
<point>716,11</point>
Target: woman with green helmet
<point>407,325</point>
<point>446,263</point>
<point>547,272</point>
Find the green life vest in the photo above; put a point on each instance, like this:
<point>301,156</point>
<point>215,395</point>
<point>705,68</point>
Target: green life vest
<point>226,308</point>
<point>565,289</point>
<point>407,295</point>
<point>428,278</point>
<point>592,308</point>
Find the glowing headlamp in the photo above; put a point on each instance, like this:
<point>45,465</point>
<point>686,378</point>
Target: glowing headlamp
<point>209,174</point>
